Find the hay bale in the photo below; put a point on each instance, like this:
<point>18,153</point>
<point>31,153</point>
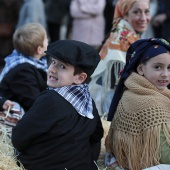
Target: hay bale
<point>8,160</point>
<point>106,126</point>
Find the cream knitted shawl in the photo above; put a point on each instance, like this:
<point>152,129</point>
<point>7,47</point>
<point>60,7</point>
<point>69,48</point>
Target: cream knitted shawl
<point>134,135</point>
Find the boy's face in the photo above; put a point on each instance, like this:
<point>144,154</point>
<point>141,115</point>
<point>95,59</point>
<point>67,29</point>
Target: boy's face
<point>61,74</point>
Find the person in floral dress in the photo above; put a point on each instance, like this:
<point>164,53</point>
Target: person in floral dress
<point>131,19</point>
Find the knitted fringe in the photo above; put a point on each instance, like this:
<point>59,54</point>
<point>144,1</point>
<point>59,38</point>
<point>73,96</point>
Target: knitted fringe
<point>137,152</point>
<point>166,130</point>
<point>105,88</point>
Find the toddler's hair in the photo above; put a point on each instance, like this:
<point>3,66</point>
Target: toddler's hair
<point>28,37</point>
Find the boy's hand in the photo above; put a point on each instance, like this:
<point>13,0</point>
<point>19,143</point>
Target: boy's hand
<point>7,104</point>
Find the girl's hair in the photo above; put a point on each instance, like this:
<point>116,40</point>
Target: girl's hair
<point>28,37</point>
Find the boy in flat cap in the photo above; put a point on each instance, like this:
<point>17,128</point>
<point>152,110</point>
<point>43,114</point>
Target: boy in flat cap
<point>62,130</point>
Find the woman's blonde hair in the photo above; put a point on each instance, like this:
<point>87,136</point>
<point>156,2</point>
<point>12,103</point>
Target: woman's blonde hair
<point>28,37</point>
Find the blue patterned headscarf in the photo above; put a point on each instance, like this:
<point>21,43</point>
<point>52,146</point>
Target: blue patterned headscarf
<point>137,53</point>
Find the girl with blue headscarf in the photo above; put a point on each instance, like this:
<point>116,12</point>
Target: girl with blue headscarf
<point>139,135</point>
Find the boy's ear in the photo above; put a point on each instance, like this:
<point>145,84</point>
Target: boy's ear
<point>80,78</point>
<point>40,50</point>
<point>140,69</point>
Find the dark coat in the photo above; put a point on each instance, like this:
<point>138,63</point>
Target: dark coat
<point>163,30</point>
<point>23,84</point>
<point>53,136</point>
<point>2,101</point>
<point>9,11</point>
<point>56,10</point>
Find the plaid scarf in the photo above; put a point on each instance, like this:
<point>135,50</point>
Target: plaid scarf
<point>17,58</point>
<point>79,97</point>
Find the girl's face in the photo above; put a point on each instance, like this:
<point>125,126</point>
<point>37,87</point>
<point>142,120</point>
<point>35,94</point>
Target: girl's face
<point>139,16</point>
<point>157,70</point>
<point>61,74</point>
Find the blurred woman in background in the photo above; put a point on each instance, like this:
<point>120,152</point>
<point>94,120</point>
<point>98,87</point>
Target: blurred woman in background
<point>131,19</point>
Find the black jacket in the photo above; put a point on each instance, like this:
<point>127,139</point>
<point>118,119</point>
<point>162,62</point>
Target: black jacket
<point>163,30</point>
<point>53,136</point>
<point>23,84</point>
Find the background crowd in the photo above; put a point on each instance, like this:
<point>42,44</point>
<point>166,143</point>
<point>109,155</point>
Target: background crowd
<point>89,21</point>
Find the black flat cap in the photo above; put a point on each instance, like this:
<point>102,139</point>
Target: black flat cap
<point>75,53</point>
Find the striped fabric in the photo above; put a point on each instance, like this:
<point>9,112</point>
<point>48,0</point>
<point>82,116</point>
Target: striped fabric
<point>17,58</point>
<point>79,97</point>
